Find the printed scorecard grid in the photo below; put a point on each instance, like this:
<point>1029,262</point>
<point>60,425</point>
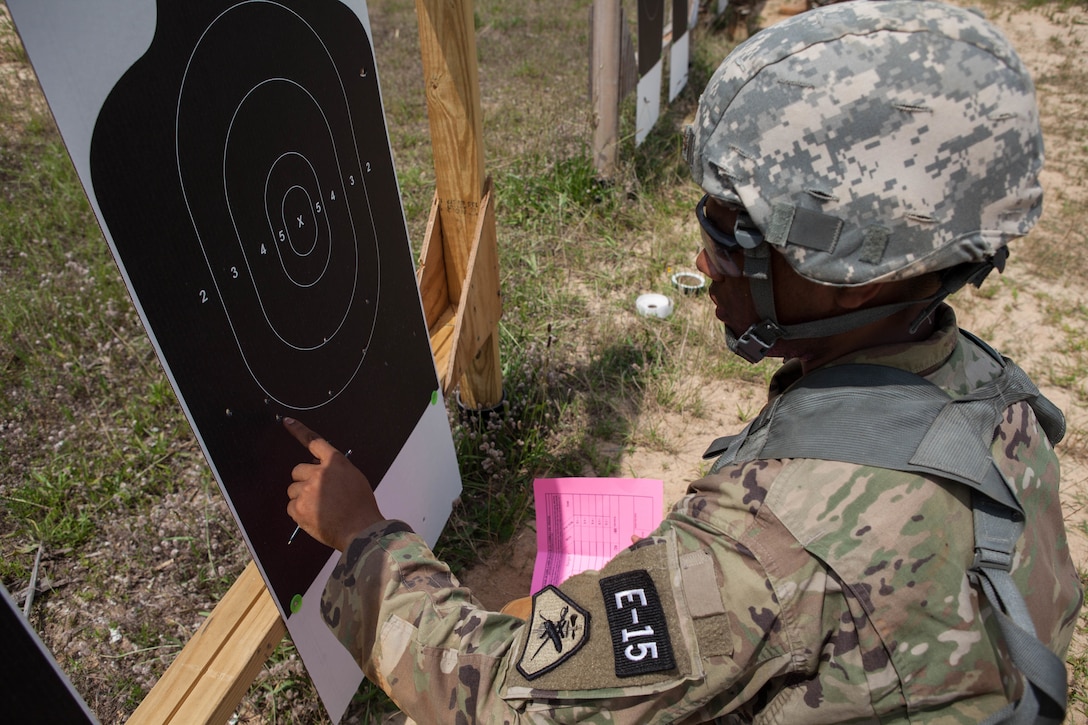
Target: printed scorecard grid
<point>583,523</point>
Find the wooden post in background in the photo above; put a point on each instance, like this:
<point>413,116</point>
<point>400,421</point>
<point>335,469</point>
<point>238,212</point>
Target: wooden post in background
<point>604,68</point>
<point>447,38</point>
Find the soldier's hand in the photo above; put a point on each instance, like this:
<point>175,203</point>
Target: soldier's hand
<point>330,498</point>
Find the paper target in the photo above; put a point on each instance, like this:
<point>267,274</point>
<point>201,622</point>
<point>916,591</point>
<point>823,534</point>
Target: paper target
<point>236,156</point>
<point>239,165</point>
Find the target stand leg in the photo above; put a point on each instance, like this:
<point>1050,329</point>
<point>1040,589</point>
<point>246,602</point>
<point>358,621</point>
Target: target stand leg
<point>208,679</point>
<point>462,330</point>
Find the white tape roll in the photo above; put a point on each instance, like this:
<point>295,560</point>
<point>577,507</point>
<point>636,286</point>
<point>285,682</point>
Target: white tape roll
<point>688,282</point>
<point>654,305</point>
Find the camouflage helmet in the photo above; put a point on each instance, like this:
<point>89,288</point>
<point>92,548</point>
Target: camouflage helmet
<point>874,141</point>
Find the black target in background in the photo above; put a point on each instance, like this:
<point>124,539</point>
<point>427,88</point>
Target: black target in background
<point>242,168</point>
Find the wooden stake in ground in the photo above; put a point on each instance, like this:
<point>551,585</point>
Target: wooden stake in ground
<point>448,45</point>
<point>604,83</point>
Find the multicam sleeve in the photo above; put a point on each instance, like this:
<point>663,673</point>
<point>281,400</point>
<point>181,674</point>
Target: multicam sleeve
<point>690,599</point>
<point>415,631</point>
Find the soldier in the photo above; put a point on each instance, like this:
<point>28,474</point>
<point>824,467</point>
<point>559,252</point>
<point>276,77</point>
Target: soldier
<point>804,5</point>
<point>738,12</point>
<point>864,549</point>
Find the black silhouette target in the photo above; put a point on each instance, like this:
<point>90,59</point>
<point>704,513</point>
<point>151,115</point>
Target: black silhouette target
<point>288,169</point>
<point>243,173</point>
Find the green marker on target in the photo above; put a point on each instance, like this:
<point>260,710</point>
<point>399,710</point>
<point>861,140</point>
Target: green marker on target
<point>296,603</point>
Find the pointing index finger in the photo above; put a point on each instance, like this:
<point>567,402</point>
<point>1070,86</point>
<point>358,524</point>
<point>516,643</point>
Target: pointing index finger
<point>318,446</point>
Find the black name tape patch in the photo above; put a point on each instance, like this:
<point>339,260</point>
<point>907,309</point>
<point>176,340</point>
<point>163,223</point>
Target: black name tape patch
<point>558,629</point>
<point>636,621</point>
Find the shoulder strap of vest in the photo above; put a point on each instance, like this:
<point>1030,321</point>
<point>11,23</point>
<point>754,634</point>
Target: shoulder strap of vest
<point>1049,415</point>
<point>890,418</point>
<point>1045,695</point>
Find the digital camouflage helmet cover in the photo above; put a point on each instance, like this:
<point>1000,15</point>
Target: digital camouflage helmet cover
<point>872,141</point>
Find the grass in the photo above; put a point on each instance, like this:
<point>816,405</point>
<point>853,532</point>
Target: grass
<point>103,470</point>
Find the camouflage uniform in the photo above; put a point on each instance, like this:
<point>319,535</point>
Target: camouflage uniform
<point>777,591</point>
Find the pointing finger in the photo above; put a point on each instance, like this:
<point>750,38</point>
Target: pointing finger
<point>318,446</point>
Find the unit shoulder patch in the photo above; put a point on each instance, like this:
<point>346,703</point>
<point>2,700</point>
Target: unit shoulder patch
<point>558,629</point>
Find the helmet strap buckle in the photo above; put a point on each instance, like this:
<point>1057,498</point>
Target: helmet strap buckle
<point>757,340</point>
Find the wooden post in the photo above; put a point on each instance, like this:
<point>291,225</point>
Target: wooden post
<point>447,38</point>
<point>604,71</point>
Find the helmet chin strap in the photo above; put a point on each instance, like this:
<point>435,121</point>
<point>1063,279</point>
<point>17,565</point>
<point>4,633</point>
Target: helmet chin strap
<point>755,342</point>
